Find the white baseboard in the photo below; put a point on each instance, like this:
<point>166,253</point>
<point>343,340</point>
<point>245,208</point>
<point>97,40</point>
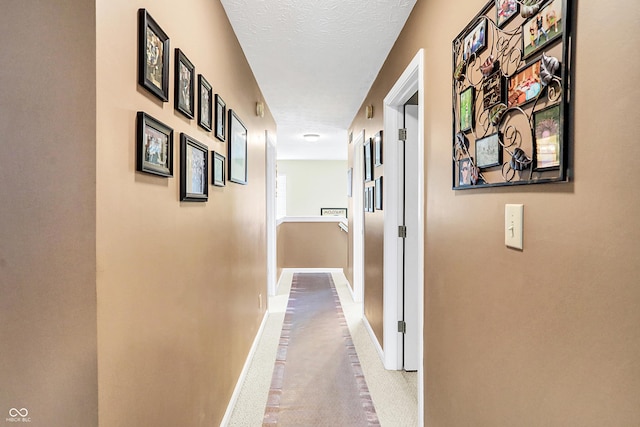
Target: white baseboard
<point>374,339</point>
<point>243,374</point>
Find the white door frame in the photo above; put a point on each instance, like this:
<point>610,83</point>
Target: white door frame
<point>410,82</point>
<point>272,266</point>
<point>357,192</point>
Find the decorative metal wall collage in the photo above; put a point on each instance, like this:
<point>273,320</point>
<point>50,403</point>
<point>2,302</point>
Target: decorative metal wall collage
<point>511,82</point>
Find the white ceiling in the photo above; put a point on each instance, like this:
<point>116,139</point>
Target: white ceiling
<point>315,61</point>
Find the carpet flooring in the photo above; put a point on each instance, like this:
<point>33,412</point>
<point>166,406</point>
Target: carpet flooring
<point>317,378</point>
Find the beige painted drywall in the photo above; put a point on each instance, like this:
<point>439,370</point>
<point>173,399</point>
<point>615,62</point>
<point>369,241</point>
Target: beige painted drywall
<point>314,184</point>
<point>548,336</point>
<point>311,245</point>
<point>178,283</point>
<point>48,360</point>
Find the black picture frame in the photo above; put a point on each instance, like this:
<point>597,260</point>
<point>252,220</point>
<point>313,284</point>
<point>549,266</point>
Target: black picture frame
<point>493,89</point>
<point>378,193</point>
<point>547,137</point>
<point>220,117</point>
<point>194,170</point>
<point>339,212</point>
<point>476,40</point>
<point>184,85</point>
<point>368,199</point>
<point>506,10</point>
<point>237,149</point>
<point>524,85</point>
<point>552,14</point>
<point>154,142</point>
<point>153,56</point>
<point>377,149</point>
<point>467,109</point>
<point>464,171</point>
<point>205,94</point>
<point>368,161</point>
<point>218,169</point>
<point>488,151</point>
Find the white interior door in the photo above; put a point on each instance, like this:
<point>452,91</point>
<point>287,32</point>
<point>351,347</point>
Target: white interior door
<point>272,266</point>
<point>411,350</point>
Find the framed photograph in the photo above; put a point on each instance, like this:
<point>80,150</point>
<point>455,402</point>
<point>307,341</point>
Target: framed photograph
<point>464,172</point>
<point>154,152</point>
<point>476,40</point>
<point>237,149</point>
<point>524,85</point>
<point>205,110</point>
<point>493,90</point>
<point>341,212</point>
<point>185,77</point>
<point>368,161</point>
<point>368,199</point>
<point>378,193</point>
<point>377,145</point>
<point>218,170</point>
<point>488,151</point>
<point>505,10</point>
<point>194,170</point>
<point>372,207</point>
<point>467,113</point>
<point>221,111</point>
<point>543,28</point>
<point>153,56</point>
<point>547,129</point>
<point>350,182</point>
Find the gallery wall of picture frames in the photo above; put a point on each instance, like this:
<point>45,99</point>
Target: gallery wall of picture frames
<point>154,139</point>
<point>511,88</point>
<point>372,157</point>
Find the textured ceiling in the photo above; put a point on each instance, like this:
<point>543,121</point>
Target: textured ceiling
<point>315,61</point>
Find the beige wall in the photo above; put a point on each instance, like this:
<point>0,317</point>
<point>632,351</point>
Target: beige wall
<point>548,336</point>
<point>47,212</point>
<point>311,245</point>
<point>314,184</point>
<point>179,283</point>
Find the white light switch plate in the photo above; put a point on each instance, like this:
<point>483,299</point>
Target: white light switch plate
<point>513,219</point>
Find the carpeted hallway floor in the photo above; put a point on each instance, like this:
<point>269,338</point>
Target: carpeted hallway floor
<point>310,395</point>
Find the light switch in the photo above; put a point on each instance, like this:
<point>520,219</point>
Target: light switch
<point>513,218</point>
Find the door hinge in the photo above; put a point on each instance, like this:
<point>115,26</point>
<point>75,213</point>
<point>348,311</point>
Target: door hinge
<point>402,326</point>
<point>402,231</point>
<point>402,134</point>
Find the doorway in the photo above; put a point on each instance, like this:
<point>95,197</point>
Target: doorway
<point>404,257</point>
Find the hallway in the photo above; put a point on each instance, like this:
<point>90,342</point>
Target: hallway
<point>394,393</point>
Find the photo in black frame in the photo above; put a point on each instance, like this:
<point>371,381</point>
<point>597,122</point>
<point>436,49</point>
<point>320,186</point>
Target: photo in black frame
<point>153,56</point>
<point>547,129</point>
<point>547,23</point>
<point>221,114</point>
<point>194,170</point>
<point>377,145</point>
<point>378,195</point>
<point>237,149</point>
<point>488,151</point>
<point>505,11</point>
<point>464,171</point>
<point>154,142</point>
<point>185,76</point>
<point>218,169</point>
<point>368,161</point>
<point>476,40</point>
<point>205,112</point>
<point>467,109</point>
